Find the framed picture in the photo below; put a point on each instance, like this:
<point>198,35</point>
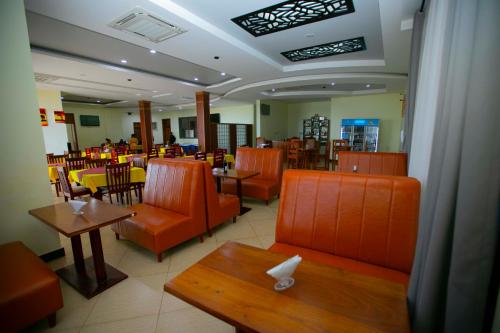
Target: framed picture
<point>307,123</point>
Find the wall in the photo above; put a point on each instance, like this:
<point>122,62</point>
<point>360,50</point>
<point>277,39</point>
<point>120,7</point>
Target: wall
<point>386,107</point>
<point>297,112</point>
<point>274,126</point>
<point>117,124</point>
<point>54,135</point>
<point>24,179</point>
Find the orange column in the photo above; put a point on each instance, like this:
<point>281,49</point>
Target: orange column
<point>203,121</point>
<point>146,132</point>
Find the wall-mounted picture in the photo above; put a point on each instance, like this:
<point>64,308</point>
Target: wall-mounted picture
<point>59,117</point>
<point>43,117</point>
<point>307,131</point>
<point>307,122</point>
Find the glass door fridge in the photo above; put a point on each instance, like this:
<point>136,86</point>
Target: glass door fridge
<point>362,134</point>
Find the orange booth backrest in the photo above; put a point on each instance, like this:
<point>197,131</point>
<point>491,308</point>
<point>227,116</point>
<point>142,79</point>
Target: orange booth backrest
<point>390,164</point>
<point>267,161</point>
<point>362,217</point>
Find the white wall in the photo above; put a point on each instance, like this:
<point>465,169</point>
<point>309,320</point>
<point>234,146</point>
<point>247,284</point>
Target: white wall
<point>55,135</point>
<point>275,125</point>
<point>24,179</point>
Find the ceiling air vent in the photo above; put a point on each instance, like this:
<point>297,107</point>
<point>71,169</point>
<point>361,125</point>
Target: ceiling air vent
<point>45,78</point>
<point>143,24</point>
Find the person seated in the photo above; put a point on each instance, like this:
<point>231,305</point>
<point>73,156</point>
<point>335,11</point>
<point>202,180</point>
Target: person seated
<point>171,139</point>
<point>108,145</point>
<point>133,142</point>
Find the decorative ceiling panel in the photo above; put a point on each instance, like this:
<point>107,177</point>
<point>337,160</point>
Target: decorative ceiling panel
<point>326,50</point>
<point>291,14</point>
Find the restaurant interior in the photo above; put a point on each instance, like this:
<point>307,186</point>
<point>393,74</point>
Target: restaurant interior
<point>250,166</point>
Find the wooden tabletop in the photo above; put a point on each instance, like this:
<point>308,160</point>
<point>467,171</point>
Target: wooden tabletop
<point>233,173</point>
<point>231,284</point>
<point>96,214</point>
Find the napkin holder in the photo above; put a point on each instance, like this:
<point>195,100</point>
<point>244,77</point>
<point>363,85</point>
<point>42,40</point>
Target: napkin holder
<point>283,273</point>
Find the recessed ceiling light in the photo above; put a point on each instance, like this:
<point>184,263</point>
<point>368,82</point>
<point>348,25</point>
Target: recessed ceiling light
<point>223,74</point>
<point>155,91</point>
<point>123,61</point>
<point>211,104</point>
<point>179,107</point>
<point>196,79</point>
<point>62,97</point>
<point>138,94</point>
<point>152,51</point>
<point>368,86</point>
<point>98,101</point>
<point>333,83</point>
<point>160,110</point>
<point>273,90</point>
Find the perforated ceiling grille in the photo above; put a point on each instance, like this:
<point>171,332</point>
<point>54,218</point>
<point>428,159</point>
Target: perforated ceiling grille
<point>291,14</point>
<point>325,50</point>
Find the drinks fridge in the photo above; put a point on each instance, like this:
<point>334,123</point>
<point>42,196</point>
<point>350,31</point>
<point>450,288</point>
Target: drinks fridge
<point>362,134</point>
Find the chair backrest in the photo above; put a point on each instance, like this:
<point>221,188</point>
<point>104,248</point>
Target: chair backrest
<point>62,173</point>
<point>118,177</point>
<point>296,143</point>
<point>177,150</point>
<point>88,152</point>
<point>96,149</point>
<point>220,150</point>
<point>268,162</point>
<point>310,143</point>
<point>138,162</point>
<point>75,163</point>
<point>339,143</point>
<point>51,158</point>
<point>362,217</point>
<point>177,185</point>
<point>391,164</point>
<point>96,163</point>
<point>200,155</point>
<point>218,159</point>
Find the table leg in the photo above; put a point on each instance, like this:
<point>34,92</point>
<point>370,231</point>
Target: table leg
<point>219,185</point>
<point>239,193</point>
<point>76,246</point>
<point>95,243</point>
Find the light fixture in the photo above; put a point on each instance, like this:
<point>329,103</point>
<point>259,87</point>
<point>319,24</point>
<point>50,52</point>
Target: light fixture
<point>327,49</point>
<point>273,90</point>
<point>98,101</point>
<point>62,97</point>
<point>179,107</point>
<point>138,94</point>
<point>152,51</point>
<point>155,91</point>
<point>211,104</point>
<point>123,61</point>
<point>333,83</point>
<point>196,79</point>
<point>160,110</point>
<point>223,74</point>
<point>368,86</point>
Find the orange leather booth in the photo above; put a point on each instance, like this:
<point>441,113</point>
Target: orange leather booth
<point>390,164</point>
<point>173,208</point>
<point>362,223</point>
<point>29,289</point>
<point>220,207</point>
<point>268,162</point>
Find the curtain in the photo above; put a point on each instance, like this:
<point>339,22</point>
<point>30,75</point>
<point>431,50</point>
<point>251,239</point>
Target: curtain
<point>411,90</point>
<point>459,166</point>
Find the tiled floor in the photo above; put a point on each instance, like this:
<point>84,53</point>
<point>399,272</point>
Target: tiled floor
<point>139,304</point>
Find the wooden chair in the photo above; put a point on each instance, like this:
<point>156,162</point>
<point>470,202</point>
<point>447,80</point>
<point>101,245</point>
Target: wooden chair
<point>218,160</point>
<point>114,157</point>
<point>169,153</point>
<point>49,155</point>
<point>75,163</point>
<point>338,145</point>
<point>220,150</point>
<point>96,163</point>
<point>178,150</point>
<point>51,158</point>
<point>68,190</point>
<point>88,153</point>
<point>296,155</point>
<point>325,156</point>
<point>118,182</point>
<point>311,150</point>
<point>138,162</point>
<point>153,153</point>
<point>200,155</point>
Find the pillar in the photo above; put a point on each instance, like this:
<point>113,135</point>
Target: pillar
<point>146,132</point>
<point>203,121</point>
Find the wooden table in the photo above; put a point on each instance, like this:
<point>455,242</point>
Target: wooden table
<point>231,284</point>
<point>239,175</point>
<point>92,275</point>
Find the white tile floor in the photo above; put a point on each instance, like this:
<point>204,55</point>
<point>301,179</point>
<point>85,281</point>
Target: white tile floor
<point>139,304</point>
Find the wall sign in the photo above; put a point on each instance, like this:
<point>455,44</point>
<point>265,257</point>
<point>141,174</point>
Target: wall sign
<point>43,117</point>
<point>59,117</point>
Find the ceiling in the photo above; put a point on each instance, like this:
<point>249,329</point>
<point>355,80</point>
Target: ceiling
<point>77,51</point>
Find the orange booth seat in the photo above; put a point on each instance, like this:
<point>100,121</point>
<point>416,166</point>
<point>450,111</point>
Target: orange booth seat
<point>220,207</point>
<point>268,163</point>
<point>173,208</point>
<point>390,164</point>
<point>361,223</point>
<point>29,289</point>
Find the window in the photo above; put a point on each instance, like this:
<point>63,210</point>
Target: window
<point>187,128</point>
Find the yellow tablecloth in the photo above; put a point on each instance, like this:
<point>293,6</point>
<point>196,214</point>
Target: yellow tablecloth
<point>93,181</point>
<point>103,155</point>
<point>123,158</point>
<point>229,158</point>
<point>53,176</point>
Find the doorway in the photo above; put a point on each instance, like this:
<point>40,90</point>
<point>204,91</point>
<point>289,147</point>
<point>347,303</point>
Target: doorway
<point>166,130</point>
<point>69,119</point>
<point>137,132</point>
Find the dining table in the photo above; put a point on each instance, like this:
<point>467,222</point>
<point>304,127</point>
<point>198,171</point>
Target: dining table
<point>231,284</point>
<point>238,176</point>
<point>129,157</point>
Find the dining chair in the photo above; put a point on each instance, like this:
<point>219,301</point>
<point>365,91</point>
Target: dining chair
<point>88,153</point>
<point>153,153</point>
<point>178,150</point>
<point>56,159</point>
<point>96,163</point>
<point>114,156</point>
<point>296,155</point>
<point>169,153</point>
<point>338,145</point>
<point>75,154</point>
<point>118,182</point>
<point>49,155</point>
<point>220,150</point>
<point>75,163</point>
<point>70,191</point>
<point>325,156</point>
<point>200,155</point>
<point>139,162</point>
